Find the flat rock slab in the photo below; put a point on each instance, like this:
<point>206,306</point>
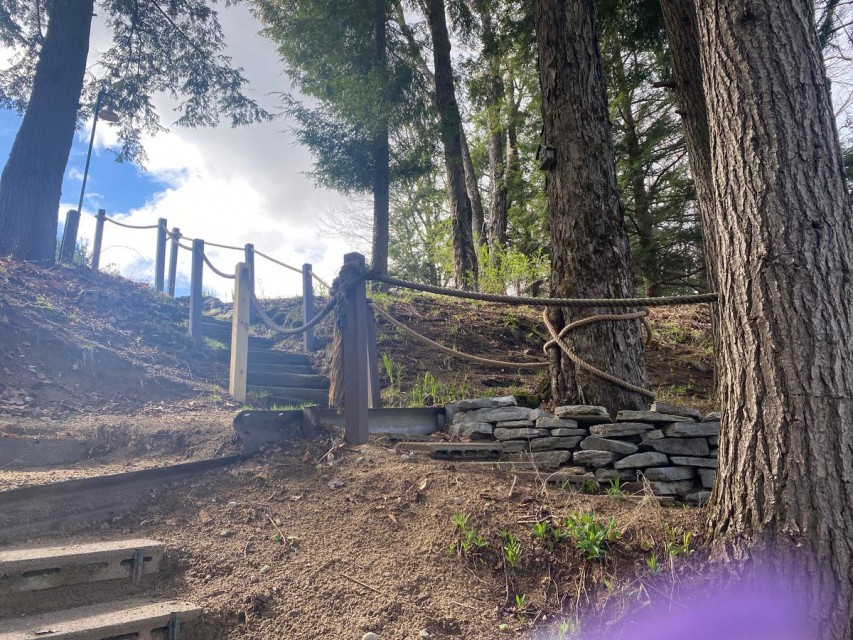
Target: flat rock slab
<point>484,403</point>
<point>560,432</point>
<point>714,416</point>
<point>127,619</point>
<point>21,451</point>
<point>681,446</point>
<point>519,434</point>
<point>692,430</point>
<point>681,488</point>
<point>647,416</point>
<point>547,422</point>
<point>676,410</point>
<point>514,424</point>
<point>603,444</point>
<point>498,414</point>
<point>708,476</point>
<point>33,569</point>
<point>559,478</point>
<point>669,474</point>
<point>699,498</point>
<point>620,430</point>
<point>542,444</point>
<point>471,429</point>
<point>546,459</point>
<point>687,461</point>
<point>606,475</point>
<point>583,414</point>
<point>641,460</point>
<point>592,458</point>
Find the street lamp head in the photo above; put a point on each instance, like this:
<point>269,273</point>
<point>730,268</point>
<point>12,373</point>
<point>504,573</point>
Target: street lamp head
<point>107,115</point>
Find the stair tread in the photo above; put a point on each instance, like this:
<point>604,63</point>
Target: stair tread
<point>106,620</point>
<point>296,394</point>
<point>36,568</point>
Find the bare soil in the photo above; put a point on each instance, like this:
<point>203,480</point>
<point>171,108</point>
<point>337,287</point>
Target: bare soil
<point>300,543</point>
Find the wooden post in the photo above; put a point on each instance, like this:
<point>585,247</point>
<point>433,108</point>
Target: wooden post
<point>195,289</point>
<point>100,219</point>
<point>173,260</point>
<point>373,362</point>
<point>69,236</point>
<point>355,359</point>
<point>249,259</point>
<point>160,256</point>
<point>308,307</point>
<point>240,333</point>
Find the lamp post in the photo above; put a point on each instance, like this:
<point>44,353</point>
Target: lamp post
<point>107,116</point>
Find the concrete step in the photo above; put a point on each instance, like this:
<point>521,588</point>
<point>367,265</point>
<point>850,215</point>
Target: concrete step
<point>287,380</point>
<point>292,395</point>
<point>33,569</point>
<point>140,619</point>
<point>269,356</point>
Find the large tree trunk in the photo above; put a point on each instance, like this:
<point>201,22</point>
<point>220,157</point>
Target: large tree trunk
<point>31,183</point>
<point>590,257</point>
<point>472,186</point>
<point>783,237</point>
<point>464,256</point>
<point>381,172</point>
<point>682,33</point>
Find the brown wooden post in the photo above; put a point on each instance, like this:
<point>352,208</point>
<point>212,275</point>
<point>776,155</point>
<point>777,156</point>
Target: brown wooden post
<point>249,259</point>
<point>100,219</point>
<point>355,358</point>
<point>195,289</point>
<point>160,256</point>
<point>373,362</point>
<point>69,236</point>
<point>308,306</point>
<point>240,333</point>
<point>173,260</point>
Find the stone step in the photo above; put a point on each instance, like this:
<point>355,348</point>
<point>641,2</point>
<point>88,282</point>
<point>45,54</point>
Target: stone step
<point>269,356</point>
<point>33,569</point>
<point>287,380</point>
<point>140,619</point>
<point>293,395</point>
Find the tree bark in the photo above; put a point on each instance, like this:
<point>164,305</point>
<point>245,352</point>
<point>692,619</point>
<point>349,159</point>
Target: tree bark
<point>590,253</point>
<point>472,186</point>
<point>381,152</point>
<point>31,183</point>
<point>783,237</point>
<point>464,255</point>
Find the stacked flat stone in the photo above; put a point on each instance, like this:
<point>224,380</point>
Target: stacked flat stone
<point>674,448</point>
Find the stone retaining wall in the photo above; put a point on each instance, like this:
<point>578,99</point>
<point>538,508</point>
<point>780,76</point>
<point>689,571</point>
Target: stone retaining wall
<point>673,447</point>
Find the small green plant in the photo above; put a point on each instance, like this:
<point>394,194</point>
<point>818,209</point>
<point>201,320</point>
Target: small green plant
<point>652,564</point>
<point>590,487</point>
<point>677,541</point>
<point>215,395</point>
<point>591,535</point>
<point>520,606</point>
<point>394,371</point>
<point>564,630</point>
<point>215,345</point>
<point>469,544</point>
<point>546,533</point>
<point>615,489</point>
<point>511,549</point>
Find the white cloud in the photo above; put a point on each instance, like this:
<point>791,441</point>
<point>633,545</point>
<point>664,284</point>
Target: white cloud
<point>228,186</point>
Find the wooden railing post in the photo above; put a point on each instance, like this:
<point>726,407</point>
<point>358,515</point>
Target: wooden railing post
<point>249,259</point>
<point>69,236</point>
<point>195,289</point>
<point>160,256</point>
<point>240,333</point>
<point>308,307</point>
<point>173,260</point>
<point>355,358</point>
<point>100,219</point>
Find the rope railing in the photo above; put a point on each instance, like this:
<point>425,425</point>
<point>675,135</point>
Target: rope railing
<point>320,281</point>
<point>466,356</point>
<point>221,274</point>
<point>290,331</point>
<point>130,226</point>
<point>223,246</point>
<point>279,262</point>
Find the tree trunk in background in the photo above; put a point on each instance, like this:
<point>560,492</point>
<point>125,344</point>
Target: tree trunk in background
<point>590,253</point>
<point>472,186</point>
<point>381,171</point>
<point>683,35</point>
<point>464,255</point>
<point>31,183</point>
<point>782,233</point>
<point>495,109</point>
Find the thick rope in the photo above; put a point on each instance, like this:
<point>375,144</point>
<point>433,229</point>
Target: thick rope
<point>223,246</point>
<point>544,302</point>
<point>221,274</point>
<point>278,262</point>
<point>467,356</point>
<point>321,281</point>
<point>183,246</point>
<point>285,331</point>
<point>557,340</point>
<point>130,226</point>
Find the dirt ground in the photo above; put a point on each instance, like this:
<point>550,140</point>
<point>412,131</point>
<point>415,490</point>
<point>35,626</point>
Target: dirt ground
<point>295,543</point>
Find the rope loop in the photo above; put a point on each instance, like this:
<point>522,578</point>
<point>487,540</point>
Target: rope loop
<point>215,270</point>
<point>286,331</point>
